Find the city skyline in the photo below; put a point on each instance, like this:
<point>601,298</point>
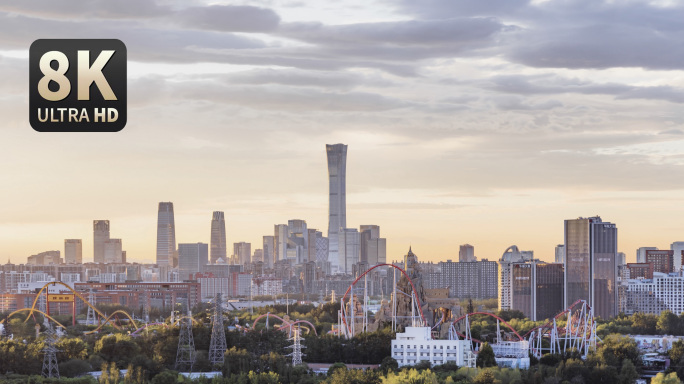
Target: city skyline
<point>460,127</point>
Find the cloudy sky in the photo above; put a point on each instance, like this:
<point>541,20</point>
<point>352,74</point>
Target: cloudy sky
<point>468,121</point>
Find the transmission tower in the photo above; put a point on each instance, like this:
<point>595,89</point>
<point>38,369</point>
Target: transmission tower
<point>185,357</point>
<point>91,319</point>
<point>217,346</point>
<point>296,347</point>
<point>50,368</point>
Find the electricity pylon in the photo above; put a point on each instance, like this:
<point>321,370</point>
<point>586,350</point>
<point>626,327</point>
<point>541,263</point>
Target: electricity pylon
<point>217,346</point>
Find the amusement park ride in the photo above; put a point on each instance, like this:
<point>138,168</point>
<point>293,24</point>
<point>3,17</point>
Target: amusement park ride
<point>573,329</point>
<point>576,333</point>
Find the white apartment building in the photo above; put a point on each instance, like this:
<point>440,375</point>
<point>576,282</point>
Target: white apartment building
<point>416,345</point>
<point>663,292</point>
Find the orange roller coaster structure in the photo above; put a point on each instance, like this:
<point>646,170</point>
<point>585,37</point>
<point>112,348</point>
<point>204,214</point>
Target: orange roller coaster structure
<point>107,319</point>
<point>35,310</point>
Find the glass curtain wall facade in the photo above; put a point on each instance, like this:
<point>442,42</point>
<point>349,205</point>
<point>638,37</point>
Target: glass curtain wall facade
<point>166,236</point>
<point>337,208</point>
<point>218,237</point>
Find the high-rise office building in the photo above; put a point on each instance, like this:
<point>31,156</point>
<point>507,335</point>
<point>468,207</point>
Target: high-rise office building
<point>511,255</point>
<point>560,253</point>
<point>100,235</point>
<point>678,253</point>
<point>242,252</point>
<point>349,251</point>
<point>373,247</point>
<point>269,251</point>
<point>112,251</point>
<point>167,254</point>
<point>591,264</point>
<point>466,253</point>
<point>280,234</point>
<point>337,208</point>
<point>537,289</point>
<point>311,251</point>
<point>73,251</point>
<point>191,259</point>
<point>622,259</point>
<point>218,237</point>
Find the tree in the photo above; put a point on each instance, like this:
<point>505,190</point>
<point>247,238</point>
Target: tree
<point>73,368</point>
<point>485,376</point>
<point>677,351</point>
<point>616,348</point>
<point>388,365</point>
<point>336,367</point>
<point>668,323</point>
<point>72,348</point>
<point>110,374</point>
<point>470,308</point>
<point>670,378</point>
<point>166,377</point>
<point>117,347</point>
<point>485,358</point>
<point>628,373</point>
<point>644,323</point>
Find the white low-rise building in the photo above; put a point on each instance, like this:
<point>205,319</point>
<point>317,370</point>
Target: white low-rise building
<point>416,345</point>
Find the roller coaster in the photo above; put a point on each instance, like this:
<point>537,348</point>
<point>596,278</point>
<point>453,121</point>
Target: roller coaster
<point>43,294</point>
<point>286,324</point>
<point>577,334</point>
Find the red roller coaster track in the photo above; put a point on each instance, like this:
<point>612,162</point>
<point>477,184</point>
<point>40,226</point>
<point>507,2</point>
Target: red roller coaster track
<point>488,314</point>
<point>420,307</point>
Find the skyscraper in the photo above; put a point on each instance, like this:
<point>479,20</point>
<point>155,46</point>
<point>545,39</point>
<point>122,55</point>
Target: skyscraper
<point>466,253</point>
<point>100,235</point>
<point>242,252</point>
<point>218,237</point>
<point>337,208</point>
<point>591,264</point>
<point>678,253</point>
<point>349,241</point>
<point>269,251</point>
<point>373,247</point>
<point>112,251</point>
<point>73,251</point>
<point>511,256</point>
<point>280,238</point>
<point>167,255</point>
<point>191,259</point>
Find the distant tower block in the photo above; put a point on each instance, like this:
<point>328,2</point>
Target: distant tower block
<point>218,237</point>
<point>337,209</point>
<point>100,235</point>
<point>166,236</point>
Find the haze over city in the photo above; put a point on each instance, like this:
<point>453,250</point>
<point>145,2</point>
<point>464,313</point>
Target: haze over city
<point>465,124</point>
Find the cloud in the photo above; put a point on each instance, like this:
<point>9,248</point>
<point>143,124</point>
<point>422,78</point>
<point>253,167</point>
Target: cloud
<point>228,18</point>
<point>547,84</point>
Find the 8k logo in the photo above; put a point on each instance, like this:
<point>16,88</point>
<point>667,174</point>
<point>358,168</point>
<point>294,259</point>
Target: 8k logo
<point>77,85</point>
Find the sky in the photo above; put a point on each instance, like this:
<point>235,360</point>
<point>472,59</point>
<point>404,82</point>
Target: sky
<point>468,121</point>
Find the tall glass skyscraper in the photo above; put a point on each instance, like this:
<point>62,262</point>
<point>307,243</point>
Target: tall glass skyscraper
<point>337,209</point>
<point>100,235</point>
<point>218,237</point>
<point>591,264</point>
<point>166,236</point>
